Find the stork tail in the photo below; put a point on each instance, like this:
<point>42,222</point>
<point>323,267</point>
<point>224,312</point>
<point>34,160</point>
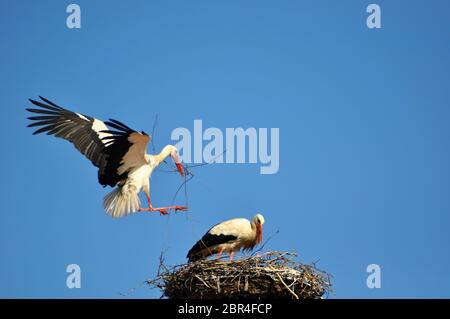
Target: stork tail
<point>122,201</point>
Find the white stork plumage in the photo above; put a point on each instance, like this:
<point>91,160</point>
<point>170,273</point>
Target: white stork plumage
<point>119,153</point>
<point>229,236</point>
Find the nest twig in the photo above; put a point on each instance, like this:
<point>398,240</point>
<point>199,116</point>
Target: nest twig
<point>266,275</point>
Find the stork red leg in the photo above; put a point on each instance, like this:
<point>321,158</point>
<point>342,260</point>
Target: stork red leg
<point>162,210</point>
<point>219,254</point>
<point>231,256</point>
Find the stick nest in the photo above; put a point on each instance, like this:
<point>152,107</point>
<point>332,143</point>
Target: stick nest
<point>267,275</point>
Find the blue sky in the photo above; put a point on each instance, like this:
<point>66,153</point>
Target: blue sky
<point>364,138</point>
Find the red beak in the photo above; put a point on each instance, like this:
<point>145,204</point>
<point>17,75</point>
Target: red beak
<point>259,233</point>
<point>180,169</point>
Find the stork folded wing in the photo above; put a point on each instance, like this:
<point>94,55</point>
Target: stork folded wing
<point>205,245</point>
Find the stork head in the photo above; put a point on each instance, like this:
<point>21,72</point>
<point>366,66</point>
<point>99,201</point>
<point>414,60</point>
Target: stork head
<point>258,221</point>
<point>173,152</point>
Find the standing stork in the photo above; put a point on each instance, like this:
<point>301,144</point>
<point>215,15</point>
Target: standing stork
<point>229,236</point>
<point>119,153</point>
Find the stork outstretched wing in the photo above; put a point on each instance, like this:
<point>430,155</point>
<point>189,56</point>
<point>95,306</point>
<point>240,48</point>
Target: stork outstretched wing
<point>83,131</point>
<point>115,153</point>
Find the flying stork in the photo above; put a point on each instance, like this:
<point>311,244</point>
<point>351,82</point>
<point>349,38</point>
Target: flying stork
<point>119,153</point>
<point>229,236</point>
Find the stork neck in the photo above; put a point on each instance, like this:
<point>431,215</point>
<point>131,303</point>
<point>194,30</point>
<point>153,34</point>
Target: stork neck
<point>163,155</point>
<point>254,229</point>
